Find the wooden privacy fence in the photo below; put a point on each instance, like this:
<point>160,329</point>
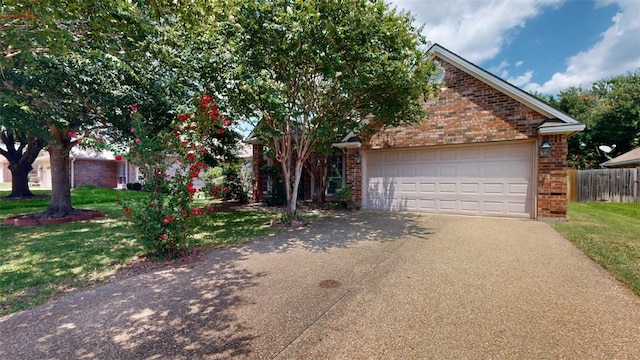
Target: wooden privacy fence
<point>606,185</point>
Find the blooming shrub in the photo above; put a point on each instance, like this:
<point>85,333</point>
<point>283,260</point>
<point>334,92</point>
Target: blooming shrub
<point>164,221</point>
<point>231,187</point>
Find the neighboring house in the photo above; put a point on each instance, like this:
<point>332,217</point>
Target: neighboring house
<point>99,168</point>
<point>629,159</point>
<point>486,148</point>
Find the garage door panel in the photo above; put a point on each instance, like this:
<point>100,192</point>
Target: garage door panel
<point>448,188</point>
<point>473,206</point>
<point>447,170</point>
<point>493,188</point>
<point>470,188</point>
<point>477,180</point>
<point>409,171</point>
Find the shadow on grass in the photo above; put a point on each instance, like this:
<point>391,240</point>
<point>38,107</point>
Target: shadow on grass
<point>184,312</point>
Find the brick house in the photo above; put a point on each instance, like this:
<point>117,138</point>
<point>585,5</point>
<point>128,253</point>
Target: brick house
<point>486,148</point>
<point>99,168</point>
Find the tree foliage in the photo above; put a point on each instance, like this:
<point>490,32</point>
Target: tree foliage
<point>308,71</point>
<point>611,111</point>
<point>70,69</point>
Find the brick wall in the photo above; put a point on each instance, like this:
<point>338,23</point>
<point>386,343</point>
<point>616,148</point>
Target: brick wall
<point>96,172</point>
<point>469,111</point>
<point>552,179</point>
<point>466,111</point>
<point>353,178</point>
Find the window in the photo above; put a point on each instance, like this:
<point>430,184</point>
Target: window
<point>335,182</point>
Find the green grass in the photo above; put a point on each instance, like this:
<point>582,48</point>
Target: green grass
<point>39,262</point>
<point>610,235</point>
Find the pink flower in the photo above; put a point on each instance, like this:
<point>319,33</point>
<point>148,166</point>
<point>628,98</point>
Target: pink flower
<point>226,121</point>
<point>72,134</point>
<point>138,141</point>
<point>165,222</point>
<point>163,236</point>
<point>134,107</point>
<point>132,130</point>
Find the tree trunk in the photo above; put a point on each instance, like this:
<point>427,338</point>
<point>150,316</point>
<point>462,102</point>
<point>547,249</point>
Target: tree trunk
<point>20,180</point>
<point>318,166</point>
<point>60,205</point>
<point>21,154</point>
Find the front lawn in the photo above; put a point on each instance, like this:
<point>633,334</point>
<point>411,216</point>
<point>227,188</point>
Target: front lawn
<point>39,262</point>
<point>609,234</point>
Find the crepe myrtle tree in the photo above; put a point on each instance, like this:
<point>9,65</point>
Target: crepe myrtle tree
<point>311,70</point>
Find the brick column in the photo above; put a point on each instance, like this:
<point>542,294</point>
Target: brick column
<point>552,178</point>
<point>258,178</point>
<point>354,175</point>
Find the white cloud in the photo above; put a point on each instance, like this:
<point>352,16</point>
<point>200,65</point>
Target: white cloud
<point>475,30</point>
<point>479,30</point>
<point>617,52</point>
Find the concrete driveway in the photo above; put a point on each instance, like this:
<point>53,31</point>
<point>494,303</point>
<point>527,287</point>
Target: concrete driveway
<point>366,285</point>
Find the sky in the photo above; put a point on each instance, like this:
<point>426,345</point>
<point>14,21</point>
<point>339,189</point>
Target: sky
<point>538,45</point>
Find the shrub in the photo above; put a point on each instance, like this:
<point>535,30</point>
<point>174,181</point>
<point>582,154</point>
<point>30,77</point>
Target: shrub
<point>134,186</point>
<point>164,220</point>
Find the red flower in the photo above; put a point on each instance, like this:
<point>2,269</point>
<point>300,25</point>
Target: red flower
<point>192,127</point>
<point>134,107</point>
<point>165,222</point>
<point>184,117</point>
<point>72,134</point>
<point>118,157</point>
<point>191,156</point>
<point>163,236</point>
<point>226,121</point>
<point>205,100</point>
<point>190,188</point>
<point>226,190</point>
<point>138,141</point>
<point>214,112</point>
<point>152,205</point>
<point>221,131</point>
<point>176,134</point>
<point>127,211</point>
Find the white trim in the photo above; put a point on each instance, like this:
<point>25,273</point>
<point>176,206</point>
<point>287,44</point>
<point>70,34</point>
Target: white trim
<point>347,145</point>
<point>561,129</point>
<point>572,124</point>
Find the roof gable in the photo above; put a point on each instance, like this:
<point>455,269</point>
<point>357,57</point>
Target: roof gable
<point>558,121</point>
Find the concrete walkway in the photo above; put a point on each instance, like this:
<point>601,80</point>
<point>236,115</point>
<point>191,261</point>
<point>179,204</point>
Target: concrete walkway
<point>365,286</point>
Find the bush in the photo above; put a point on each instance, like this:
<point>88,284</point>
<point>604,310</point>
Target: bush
<point>134,186</point>
<point>230,188</point>
<point>277,195</point>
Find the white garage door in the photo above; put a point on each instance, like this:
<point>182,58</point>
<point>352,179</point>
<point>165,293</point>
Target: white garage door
<point>489,180</point>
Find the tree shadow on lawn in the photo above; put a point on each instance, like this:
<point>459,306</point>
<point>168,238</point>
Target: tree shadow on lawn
<point>185,312</point>
<point>343,230</point>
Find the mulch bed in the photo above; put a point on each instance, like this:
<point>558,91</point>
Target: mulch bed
<point>38,219</point>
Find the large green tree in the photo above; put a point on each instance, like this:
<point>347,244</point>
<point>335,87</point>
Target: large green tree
<point>70,70</point>
<point>611,111</point>
<point>313,70</point>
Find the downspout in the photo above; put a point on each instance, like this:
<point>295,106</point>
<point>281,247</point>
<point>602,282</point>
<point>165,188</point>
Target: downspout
<point>73,173</point>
